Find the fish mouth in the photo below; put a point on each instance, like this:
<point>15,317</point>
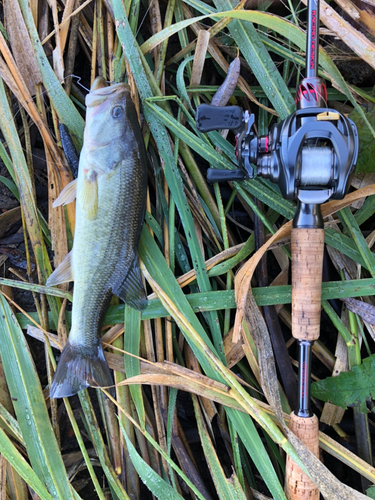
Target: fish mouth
<point>100,91</point>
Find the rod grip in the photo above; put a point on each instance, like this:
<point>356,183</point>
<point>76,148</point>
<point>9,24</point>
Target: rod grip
<point>307,263</point>
<point>298,486</point>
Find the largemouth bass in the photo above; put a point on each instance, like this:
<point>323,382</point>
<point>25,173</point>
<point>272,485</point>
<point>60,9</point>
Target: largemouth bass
<point>110,208</point>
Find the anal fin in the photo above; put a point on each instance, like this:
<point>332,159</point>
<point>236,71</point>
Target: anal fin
<point>63,273</point>
<point>131,291</point>
<point>67,195</point>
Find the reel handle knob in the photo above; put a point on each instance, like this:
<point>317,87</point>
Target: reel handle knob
<point>221,175</point>
<point>210,118</point>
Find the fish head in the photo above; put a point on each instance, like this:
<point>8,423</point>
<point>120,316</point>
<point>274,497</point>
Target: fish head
<point>109,116</point>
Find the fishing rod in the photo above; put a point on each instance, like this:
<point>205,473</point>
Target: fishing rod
<point>311,155</point>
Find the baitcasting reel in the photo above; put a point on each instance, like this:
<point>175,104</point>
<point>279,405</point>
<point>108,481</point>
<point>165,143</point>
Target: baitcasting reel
<point>311,155</point>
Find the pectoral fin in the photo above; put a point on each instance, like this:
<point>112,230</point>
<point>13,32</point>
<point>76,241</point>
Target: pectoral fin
<point>63,273</point>
<point>89,196</point>
<point>131,291</point>
<point>67,195</point>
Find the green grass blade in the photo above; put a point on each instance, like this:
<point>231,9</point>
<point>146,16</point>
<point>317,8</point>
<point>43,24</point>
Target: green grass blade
<point>11,186</point>
<point>236,489</point>
<point>267,196</point>
<point>158,268</point>
<point>32,287</point>
<point>182,34</point>
<point>225,266</point>
<point>201,7</point>
<point>246,429</point>
<point>160,488</point>
<point>359,239</point>
<point>169,460</point>
<point>171,412</point>
<point>10,425</point>
<point>84,452</point>
<point>236,448</point>
<point>181,82</point>
<point>132,336</point>
<point>101,450</point>
<point>154,225</point>
<point>221,483</point>
<point>366,211</point>
<point>30,407</point>
<point>344,244</point>
<point>16,460</point>
<point>192,140</point>
<point>172,399</point>
<point>282,51</point>
<point>167,32</point>
<point>7,161</point>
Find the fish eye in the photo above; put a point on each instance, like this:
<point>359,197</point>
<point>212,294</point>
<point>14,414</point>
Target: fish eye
<point>117,111</point>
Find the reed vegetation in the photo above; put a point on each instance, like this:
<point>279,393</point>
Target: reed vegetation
<point>200,409</point>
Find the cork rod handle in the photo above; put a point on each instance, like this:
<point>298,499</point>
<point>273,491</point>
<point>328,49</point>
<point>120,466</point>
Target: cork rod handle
<point>298,485</point>
<point>307,261</point>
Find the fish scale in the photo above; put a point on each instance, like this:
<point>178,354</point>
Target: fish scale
<point>111,198</point>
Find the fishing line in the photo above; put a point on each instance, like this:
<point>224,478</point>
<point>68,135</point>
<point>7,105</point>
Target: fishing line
<point>43,159</point>
<point>143,19</point>
<point>41,94</point>
<point>78,81</point>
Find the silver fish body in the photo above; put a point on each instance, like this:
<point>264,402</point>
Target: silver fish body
<point>110,208</point>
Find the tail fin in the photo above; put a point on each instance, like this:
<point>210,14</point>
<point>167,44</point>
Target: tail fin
<point>80,367</point>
